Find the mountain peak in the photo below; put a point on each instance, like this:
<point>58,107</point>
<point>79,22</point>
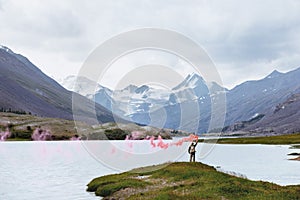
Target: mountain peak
<point>130,88</point>
<point>5,49</point>
<point>193,76</point>
<point>191,81</point>
<point>142,89</point>
<point>274,74</point>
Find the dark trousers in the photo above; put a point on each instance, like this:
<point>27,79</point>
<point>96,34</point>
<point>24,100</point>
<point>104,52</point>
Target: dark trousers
<point>192,157</point>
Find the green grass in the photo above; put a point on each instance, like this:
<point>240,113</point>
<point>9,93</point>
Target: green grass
<point>107,185</point>
<point>18,139</point>
<point>188,181</point>
<point>280,139</point>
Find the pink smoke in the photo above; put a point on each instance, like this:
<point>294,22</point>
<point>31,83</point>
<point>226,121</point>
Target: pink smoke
<point>127,139</point>
<point>4,135</point>
<point>113,150</point>
<point>164,145</point>
<point>75,138</point>
<point>152,141</point>
<point>41,135</point>
<point>135,135</point>
<point>159,142</point>
<point>191,138</point>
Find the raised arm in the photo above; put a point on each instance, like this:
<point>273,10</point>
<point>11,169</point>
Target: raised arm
<point>196,142</point>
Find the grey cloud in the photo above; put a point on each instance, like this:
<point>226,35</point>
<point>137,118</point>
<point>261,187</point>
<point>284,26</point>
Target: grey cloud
<point>1,5</point>
<point>237,34</point>
<point>63,23</point>
<point>53,24</point>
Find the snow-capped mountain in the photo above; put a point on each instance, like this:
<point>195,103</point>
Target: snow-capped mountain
<point>141,99</point>
<point>83,85</point>
<point>152,106</point>
<point>89,89</point>
<point>188,105</point>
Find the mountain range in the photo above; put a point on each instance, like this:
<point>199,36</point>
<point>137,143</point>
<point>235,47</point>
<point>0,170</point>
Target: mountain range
<point>270,105</point>
<point>25,88</point>
<point>151,106</point>
<point>250,106</point>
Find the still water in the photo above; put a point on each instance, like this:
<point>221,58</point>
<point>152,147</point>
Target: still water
<point>61,170</point>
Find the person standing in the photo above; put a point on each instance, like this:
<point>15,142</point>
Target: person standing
<point>192,151</point>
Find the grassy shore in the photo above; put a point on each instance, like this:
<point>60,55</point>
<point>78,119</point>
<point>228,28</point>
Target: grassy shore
<point>22,126</point>
<point>280,139</point>
<point>186,181</point>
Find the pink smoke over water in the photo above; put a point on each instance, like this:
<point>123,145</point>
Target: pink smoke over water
<point>135,135</point>
<point>128,142</point>
<point>4,135</point>
<point>164,145</point>
<point>154,142</point>
<point>160,143</point>
<point>41,135</point>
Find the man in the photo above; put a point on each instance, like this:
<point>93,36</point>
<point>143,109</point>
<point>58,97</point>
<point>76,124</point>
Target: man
<point>192,151</point>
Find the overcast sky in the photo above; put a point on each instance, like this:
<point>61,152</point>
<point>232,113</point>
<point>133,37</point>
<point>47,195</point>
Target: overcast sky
<point>245,39</point>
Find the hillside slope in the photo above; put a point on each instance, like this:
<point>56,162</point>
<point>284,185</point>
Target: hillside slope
<point>252,98</point>
<point>26,88</point>
<point>284,118</point>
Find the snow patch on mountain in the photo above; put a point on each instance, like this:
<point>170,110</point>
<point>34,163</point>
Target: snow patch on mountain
<point>83,86</point>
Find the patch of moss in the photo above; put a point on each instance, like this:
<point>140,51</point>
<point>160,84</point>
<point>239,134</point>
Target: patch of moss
<point>112,187</point>
<point>107,185</point>
<point>116,134</point>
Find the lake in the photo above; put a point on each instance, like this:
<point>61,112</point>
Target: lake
<point>61,169</point>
